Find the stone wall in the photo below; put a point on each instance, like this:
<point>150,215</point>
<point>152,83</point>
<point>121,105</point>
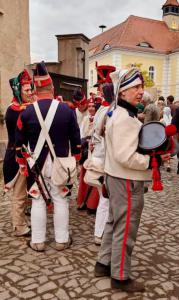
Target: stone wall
<point>73,53</point>
<point>15,44</point>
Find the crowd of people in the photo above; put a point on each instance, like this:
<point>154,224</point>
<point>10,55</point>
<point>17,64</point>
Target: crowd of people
<point>54,143</point>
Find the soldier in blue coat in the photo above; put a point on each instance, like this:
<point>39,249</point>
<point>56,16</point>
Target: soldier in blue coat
<point>65,135</point>
<point>22,91</point>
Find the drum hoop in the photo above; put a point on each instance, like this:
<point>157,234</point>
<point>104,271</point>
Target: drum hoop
<point>151,122</point>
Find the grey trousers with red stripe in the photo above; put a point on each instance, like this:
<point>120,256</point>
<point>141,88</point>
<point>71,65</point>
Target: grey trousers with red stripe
<point>126,201</point>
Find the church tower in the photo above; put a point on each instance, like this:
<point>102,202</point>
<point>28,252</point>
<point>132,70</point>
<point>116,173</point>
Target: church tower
<point>171,14</point>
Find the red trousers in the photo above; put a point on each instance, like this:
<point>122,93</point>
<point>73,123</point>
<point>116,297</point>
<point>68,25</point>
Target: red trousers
<point>87,195</point>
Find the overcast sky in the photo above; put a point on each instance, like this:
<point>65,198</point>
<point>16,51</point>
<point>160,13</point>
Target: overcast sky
<point>51,17</point>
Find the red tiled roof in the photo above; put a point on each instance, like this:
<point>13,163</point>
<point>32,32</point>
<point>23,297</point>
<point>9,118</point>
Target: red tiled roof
<point>135,30</point>
<point>171,2</point>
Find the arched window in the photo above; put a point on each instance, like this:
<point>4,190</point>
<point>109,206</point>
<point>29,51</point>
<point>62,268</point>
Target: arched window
<point>166,10</point>
<point>106,47</point>
<point>176,10</point>
<point>144,44</point>
<point>151,72</point>
<point>91,78</point>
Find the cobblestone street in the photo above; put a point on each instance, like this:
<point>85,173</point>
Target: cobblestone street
<point>25,274</point>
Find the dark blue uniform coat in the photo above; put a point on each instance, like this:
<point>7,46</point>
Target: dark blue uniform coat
<point>10,166</point>
<point>64,130</point>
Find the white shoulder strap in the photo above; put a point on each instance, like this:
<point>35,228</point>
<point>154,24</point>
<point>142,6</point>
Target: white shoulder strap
<point>54,105</point>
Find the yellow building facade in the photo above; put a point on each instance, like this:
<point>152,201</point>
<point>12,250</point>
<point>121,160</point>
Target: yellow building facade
<point>165,68</point>
<point>155,56</point>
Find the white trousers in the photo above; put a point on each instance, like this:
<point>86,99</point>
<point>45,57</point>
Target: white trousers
<point>60,217</point>
<point>101,215</point>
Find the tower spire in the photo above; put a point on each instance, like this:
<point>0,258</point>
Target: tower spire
<point>171,14</point>
<point>171,2</point>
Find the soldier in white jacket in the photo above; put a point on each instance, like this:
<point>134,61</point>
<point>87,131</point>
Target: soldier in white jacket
<point>81,103</point>
<point>126,171</point>
<point>99,152</point>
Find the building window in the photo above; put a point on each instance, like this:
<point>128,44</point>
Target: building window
<point>144,45</point>
<point>174,9</point>
<point>91,78</point>
<point>174,25</point>
<point>151,72</point>
<point>106,47</point>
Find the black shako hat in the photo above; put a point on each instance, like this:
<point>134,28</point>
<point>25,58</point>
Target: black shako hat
<point>41,75</point>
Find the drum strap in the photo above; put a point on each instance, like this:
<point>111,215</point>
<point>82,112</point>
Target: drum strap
<point>156,177</point>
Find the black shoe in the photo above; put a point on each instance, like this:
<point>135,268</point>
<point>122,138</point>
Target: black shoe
<point>129,285</point>
<point>102,270</point>
<point>82,207</point>
<point>91,211</point>
<point>63,246</point>
<point>28,211</point>
<point>38,247</point>
<point>26,233</point>
<point>145,189</point>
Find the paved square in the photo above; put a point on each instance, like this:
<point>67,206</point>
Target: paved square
<point>25,274</point>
